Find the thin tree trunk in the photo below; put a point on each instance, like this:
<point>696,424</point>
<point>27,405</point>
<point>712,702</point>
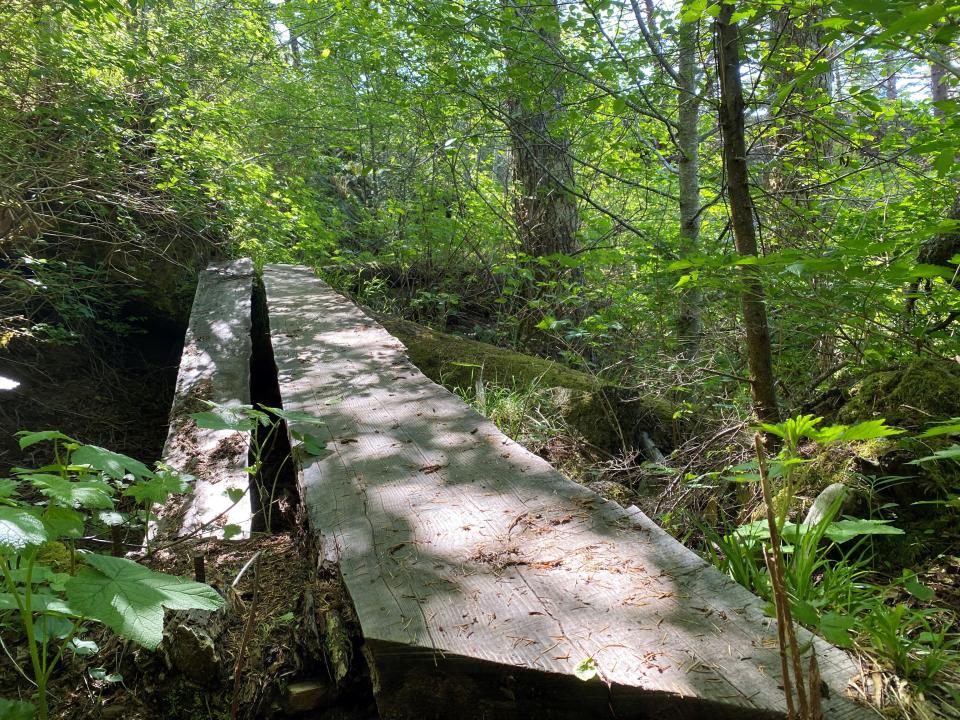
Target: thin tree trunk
<point>890,76</point>
<point>294,49</point>
<point>759,356</point>
<point>689,321</point>
<point>294,39</point>
<point>938,88</point>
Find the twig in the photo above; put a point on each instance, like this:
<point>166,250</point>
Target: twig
<point>249,562</point>
<point>251,613</point>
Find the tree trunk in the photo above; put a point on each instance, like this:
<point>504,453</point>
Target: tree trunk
<point>689,321</point>
<point>938,88</point>
<point>759,356</point>
<point>545,211</point>
<point>890,76</point>
<point>798,43</point>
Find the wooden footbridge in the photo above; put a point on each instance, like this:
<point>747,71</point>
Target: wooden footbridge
<point>480,575</point>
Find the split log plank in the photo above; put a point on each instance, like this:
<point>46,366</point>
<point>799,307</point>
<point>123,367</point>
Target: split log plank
<point>481,576</point>
<point>215,366</point>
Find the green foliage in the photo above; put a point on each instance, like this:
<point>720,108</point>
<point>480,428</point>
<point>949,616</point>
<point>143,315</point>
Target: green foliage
<point>130,599</point>
<point>377,143</point>
<point>53,590</point>
<point>521,411</point>
<point>826,583</point>
<point>250,420</point>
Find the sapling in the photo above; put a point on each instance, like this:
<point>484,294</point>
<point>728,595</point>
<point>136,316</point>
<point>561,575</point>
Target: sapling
<point>53,589</point>
<point>246,419</point>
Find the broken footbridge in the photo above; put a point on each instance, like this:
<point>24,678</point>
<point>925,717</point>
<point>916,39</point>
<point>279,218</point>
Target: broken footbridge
<point>481,577</point>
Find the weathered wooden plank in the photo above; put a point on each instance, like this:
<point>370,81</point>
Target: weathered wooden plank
<point>215,366</point>
<point>480,575</point>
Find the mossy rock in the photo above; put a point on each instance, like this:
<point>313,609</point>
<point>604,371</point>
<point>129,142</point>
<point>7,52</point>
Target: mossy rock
<point>910,396</point>
<point>608,416</point>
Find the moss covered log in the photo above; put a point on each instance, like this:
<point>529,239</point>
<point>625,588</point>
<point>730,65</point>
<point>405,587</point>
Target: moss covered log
<point>912,395</point>
<point>608,416</point>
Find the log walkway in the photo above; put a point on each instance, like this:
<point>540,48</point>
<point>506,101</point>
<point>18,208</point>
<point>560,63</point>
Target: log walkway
<point>481,576</point>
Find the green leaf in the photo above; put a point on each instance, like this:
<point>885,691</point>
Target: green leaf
<point>158,488</point>
<point>869,430</point>
<point>844,530</point>
<point>111,518</point>
<point>950,428</point>
<point>834,23</point>
<point>113,464</point>
<point>913,586</point>
<point>950,453</point>
<point>52,627</point>
<point>19,528</point>
<point>231,531</point>
<point>235,494</point>
<point>215,421</point>
<point>836,628</point>
<point>915,21</point>
<point>101,674</point>
<point>17,710</point>
<point>91,494</point>
<point>63,522</point>
<point>756,530</point>
<point>309,444</point>
<point>41,602</point>
<point>130,599</point>
<point>32,438</point>
<point>945,161</point>
<point>586,669</point>
<point>804,612</point>
<point>83,648</point>
<point>295,416</point>
<point>8,486</point>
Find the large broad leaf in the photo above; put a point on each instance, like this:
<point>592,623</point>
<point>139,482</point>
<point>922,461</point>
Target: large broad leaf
<point>113,464</point>
<point>8,486</point>
<point>129,598</point>
<point>84,493</point>
<point>63,522</point>
<point>32,438</point>
<point>16,710</point>
<point>836,628</point>
<point>844,530</point>
<point>20,528</point>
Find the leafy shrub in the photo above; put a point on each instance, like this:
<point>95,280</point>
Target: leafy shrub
<point>53,588</point>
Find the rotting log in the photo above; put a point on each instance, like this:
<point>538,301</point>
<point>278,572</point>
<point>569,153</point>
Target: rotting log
<point>481,577</point>
<point>215,367</point>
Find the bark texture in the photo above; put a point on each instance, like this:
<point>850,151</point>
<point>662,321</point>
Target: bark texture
<point>545,210</point>
<point>689,321</point>
<point>759,356</point>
